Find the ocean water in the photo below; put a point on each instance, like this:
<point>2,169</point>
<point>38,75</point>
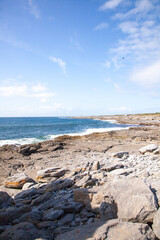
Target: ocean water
<point>25,130</point>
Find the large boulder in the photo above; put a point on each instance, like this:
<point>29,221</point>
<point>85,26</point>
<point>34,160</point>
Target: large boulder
<point>111,230</point>
<point>128,230</point>
<point>135,201</point>
<point>17,181</point>
<point>156,224</point>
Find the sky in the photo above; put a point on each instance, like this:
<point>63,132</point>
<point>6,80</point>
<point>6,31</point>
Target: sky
<point>79,57</point>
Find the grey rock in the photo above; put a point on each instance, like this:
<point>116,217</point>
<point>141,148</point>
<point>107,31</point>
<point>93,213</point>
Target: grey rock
<point>33,217</point>
<point>41,198</point>
<point>59,184</point>
<point>156,224</point>
<point>24,230</point>
<point>52,215</point>
<point>13,213</point>
<point>135,201</point>
<point>148,148</point>
<point>67,219</point>
<point>120,154</point>
<point>5,200</point>
<point>46,224</point>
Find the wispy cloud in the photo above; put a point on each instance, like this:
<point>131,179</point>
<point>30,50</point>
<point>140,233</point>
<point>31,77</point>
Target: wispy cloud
<point>33,9</point>
<point>140,35</point>
<point>142,7</point>
<point>148,76</point>
<point>120,109</point>
<point>111,4</point>
<point>101,26</point>
<point>75,44</point>
<point>60,62</point>
<point>12,88</point>
<point>7,37</point>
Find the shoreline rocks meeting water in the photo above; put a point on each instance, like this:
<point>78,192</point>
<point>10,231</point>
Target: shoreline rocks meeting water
<point>93,187</point>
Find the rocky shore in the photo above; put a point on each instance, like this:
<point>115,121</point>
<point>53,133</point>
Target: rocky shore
<point>92,187</point>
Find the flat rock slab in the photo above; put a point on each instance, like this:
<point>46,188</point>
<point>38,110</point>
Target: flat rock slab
<point>148,148</point>
<point>17,181</point>
<point>135,200</point>
<point>112,230</point>
<point>130,231</point>
<point>50,172</point>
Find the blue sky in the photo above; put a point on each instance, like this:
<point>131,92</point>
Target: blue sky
<point>79,57</point>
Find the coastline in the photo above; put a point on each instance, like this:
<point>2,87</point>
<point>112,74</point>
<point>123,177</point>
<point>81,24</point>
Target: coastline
<point>78,169</point>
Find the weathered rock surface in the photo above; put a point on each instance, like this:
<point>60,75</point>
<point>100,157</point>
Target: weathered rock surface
<point>50,172</point>
<point>135,201</point>
<point>148,148</point>
<point>17,181</point>
<point>156,224</point>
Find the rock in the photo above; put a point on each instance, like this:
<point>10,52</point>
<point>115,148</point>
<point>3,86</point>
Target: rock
<point>5,200</point>
<point>72,207</point>
<point>83,196</point>
<point>67,219</point>
<point>155,186</point>
<point>113,167</point>
<point>82,182</point>
<point>117,172</point>
<point>26,194</point>
<point>148,148</point>
<point>120,154</point>
<point>46,224</point>
<point>156,224</point>
<point>50,172</point>
<point>12,213</point>
<point>157,151</point>
<point>59,184</point>
<point>23,230</point>
<point>135,201</point>
<point>33,217</point>
<point>26,151</point>
<point>17,181</point>
<point>112,230</point>
<point>96,165</point>
<point>52,215</point>
<point>92,231</point>
<point>127,230</point>
<point>97,202</point>
<point>41,199</point>
<point>28,185</point>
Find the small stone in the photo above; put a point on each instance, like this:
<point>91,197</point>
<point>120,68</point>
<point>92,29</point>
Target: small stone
<point>120,154</point>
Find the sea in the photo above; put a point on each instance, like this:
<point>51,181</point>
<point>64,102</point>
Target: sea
<point>26,130</point>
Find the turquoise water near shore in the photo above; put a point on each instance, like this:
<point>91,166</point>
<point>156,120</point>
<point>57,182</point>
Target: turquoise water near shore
<point>25,130</point>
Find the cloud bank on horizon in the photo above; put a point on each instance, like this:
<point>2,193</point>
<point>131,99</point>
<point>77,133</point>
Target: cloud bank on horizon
<point>79,58</point>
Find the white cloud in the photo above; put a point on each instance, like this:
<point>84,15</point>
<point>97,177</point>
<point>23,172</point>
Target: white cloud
<point>142,7</point>
<point>120,109</point>
<point>8,91</point>
<point>60,62</point>
<point>38,88</point>
<point>147,76</point>
<point>107,64</point>
<point>118,88</point>
<point>33,9</point>
<point>11,87</point>
<point>101,26</point>
<point>111,4</point>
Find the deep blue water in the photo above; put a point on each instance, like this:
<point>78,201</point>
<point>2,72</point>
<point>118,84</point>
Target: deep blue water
<point>33,129</point>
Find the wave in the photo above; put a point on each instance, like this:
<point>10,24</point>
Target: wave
<point>23,141</point>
